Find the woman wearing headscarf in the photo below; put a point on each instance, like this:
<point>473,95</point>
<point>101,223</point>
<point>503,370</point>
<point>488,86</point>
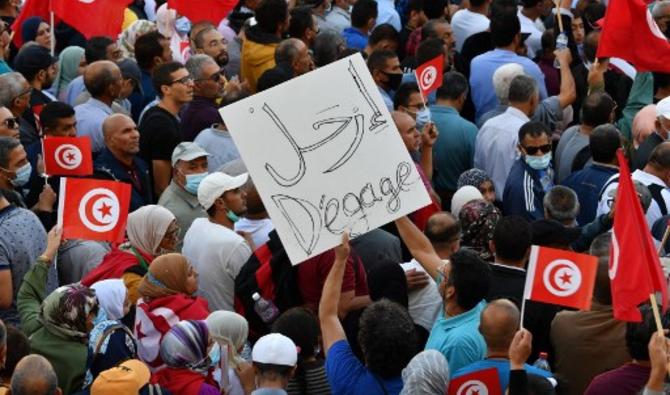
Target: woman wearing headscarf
<point>462,196</point>
<point>166,297</point>
<point>176,29</point>
<point>71,64</point>
<point>229,330</point>
<point>479,219</point>
<point>127,38</point>
<point>184,349</point>
<point>36,29</point>
<point>480,180</point>
<point>59,324</point>
<point>151,230</point>
<point>113,299</point>
<point>426,374</point>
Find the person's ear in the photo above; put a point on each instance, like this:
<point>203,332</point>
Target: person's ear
<point>157,60</point>
<point>292,373</point>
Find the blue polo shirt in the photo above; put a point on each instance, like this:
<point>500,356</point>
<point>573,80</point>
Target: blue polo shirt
<point>458,337</point>
<point>354,38</point>
<point>502,365</point>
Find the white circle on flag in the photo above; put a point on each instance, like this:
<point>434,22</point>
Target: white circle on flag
<point>473,387</point>
<point>87,1</point>
<point>427,77</point>
<point>562,277</point>
<point>68,156</point>
<point>99,210</point>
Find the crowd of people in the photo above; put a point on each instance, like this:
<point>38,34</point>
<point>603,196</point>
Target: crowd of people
<point>517,147</point>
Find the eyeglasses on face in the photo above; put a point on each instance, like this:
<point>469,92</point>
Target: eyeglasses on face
<point>534,150</point>
<point>184,81</point>
<point>11,123</point>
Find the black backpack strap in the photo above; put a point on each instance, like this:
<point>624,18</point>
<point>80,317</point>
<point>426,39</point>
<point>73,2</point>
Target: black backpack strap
<point>607,184</point>
<point>656,194</point>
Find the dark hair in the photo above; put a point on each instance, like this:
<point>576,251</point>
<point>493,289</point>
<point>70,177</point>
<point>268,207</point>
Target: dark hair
<point>200,36</point>
<point>661,80</point>
<point>470,276</point>
<point>504,27</point>
<point>270,14</point>
<point>597,109</point>
<point>499,7</point>
<point>53,111</point>
<point>434,8</point>
<point>522,89</point>
<point>429,49</point>
<point>600,246</point>
<point>604,142</point>
<point>300,325</point>
<point>387,338</point>
<point>273,77</point>
<point>377,59</point>
<point>477,3</point>
<point>533,129</point>
<point>98,85</point>
<point>362,12</point>
<point>529,3</point>
<point>18,346</point>
<point>638,334</point>
<point>403,94</point>
<point>287,51</point>
<point>272,371</point>
<point>437,233</point>
<point>602,291</point>
<point>415,5</point>
<point>96,48</point>
<point>327,47</point>
<point>147,47</point>
<point>429,29</point>
<point>162,75</point>
<point>561,203</point>
<point>454,85</point>
<point>660,156</point>
<point>591,44</point>
<point>301,20</point>
<point>512,237</point>
<point>7,145</point>
<point>383,32</point>
<point>548,42</point>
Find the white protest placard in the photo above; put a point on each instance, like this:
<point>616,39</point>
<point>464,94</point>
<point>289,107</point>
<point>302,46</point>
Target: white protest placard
<point>326,157</point>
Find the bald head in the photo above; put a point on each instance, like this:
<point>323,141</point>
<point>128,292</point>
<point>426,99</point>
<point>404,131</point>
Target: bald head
<point>401,118</point>
<point>103,79</point>
<point>34,375</point>
<point>121,136</point>
<point>499,322</point>
<point>444,232</point>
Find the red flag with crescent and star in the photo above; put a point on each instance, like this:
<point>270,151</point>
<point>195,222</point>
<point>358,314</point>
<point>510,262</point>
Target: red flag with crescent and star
<point>635,269</point>
<point>67,156</point>
<point>480,382</point>
<point>93,209</point>
<point>560,277</point>
<point>429,75</point>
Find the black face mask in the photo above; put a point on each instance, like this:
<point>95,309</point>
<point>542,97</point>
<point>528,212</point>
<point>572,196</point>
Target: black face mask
<point>394,80</point>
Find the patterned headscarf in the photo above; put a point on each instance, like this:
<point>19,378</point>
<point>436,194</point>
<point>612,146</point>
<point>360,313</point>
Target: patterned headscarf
<point>472,177</point>
<point>65,311</point>
<point>185,346</point>
<point>426,374</point>
<point>167,276</point>
<point>479,219</point>
<point>127,38</point>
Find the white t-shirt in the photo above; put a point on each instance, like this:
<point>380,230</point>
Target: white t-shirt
<point>218,254</point>
<point>466,23</point>
<point>534,42</point>
<point>424,303</point>
<point>258,228</point>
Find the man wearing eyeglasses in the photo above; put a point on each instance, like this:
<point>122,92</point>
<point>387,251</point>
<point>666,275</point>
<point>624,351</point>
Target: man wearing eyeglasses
<point>160,128</point>
<point>209,83</point>
<point>531,175</point>
<point>9,124</point>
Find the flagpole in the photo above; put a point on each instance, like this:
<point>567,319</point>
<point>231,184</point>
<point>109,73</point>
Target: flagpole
<point>657,318</point>
<point>558,16</point>
<point>45,175</point>
<point>420,90</point>
<point>665,238</point>
<point>53,30</point>
<point>523,310</point>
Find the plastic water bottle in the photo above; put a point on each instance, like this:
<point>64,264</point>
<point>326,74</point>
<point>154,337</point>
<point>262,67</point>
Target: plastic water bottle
<point>561,43</point>
<point>265,309</point>
<point>542,362</point>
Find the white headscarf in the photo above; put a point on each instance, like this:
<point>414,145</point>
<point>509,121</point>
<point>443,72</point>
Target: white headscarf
<point>462,197</point>
<point>111,297</point>
<point>426,374</point>
<point>147,226</point>
<point>230,330</point>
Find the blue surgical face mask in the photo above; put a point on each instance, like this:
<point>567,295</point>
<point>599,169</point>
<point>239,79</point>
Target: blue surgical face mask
<point>22,175</point>
<point>193,181</point>
<point>232,216</point>
<point>182,25</point>
<point>539,162</point>
<point>215,355</point>
<point>422,118</point>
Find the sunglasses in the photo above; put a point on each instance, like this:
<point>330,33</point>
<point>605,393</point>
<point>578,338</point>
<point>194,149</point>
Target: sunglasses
<point>534,150</point>
<point>216,77</point>
<point>11,123</point>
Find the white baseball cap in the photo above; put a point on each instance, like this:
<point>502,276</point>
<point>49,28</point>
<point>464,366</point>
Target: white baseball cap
<point>275,349</point>
<point>663,108</point>
<point>215,184</point>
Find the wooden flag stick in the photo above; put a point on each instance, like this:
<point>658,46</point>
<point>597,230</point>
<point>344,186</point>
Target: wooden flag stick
<point>558,15</point>
<point>665,238</point>
<point>657,318</point>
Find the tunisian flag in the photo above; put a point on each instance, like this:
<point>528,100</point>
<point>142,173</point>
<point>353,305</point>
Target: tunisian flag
<point>203,10</point>
<point>635,270</point>
<point>92,17</point>
<point>30,8</point>
<point>429,75</point>
<point>483,381</point>
<point>560,277</point>
<point>67,156</point>
<point>630,33</point>
<point>93,209</point>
